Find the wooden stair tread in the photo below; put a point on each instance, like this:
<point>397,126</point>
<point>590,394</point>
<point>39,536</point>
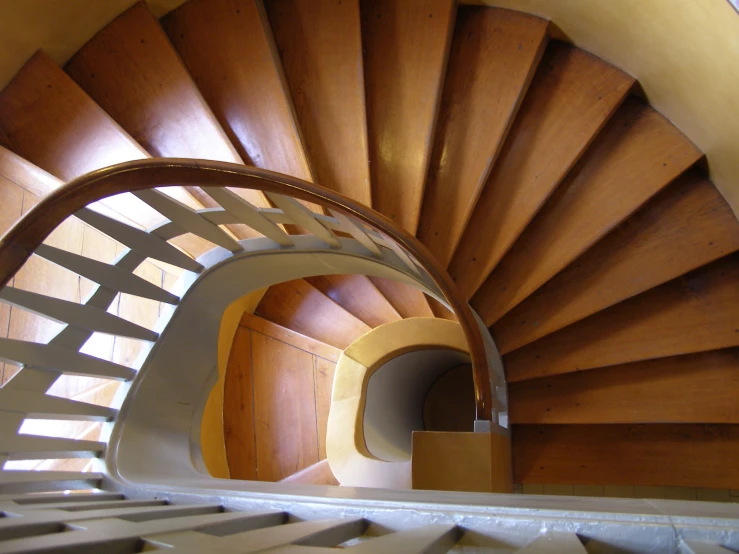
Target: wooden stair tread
<point>493,56</point>
<point>569,100</point>
<point>132,71</point>
<point>408,301</point>
<point>320,46</point>
<point>637,154</point>
<point>687,225</point>
<point>693,313</point>
<point>358,296</point>
<point>228,48</point>
<point>682,455</point>
<point>405,49</point>
<point>439,310</point>
<point>52,123</point>
<point>695,388</point>
<point>299,306</point>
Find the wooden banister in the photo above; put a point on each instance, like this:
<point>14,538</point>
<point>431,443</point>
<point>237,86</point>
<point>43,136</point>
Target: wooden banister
<point>19,243</point>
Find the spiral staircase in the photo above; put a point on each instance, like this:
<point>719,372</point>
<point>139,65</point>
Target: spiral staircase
<point>577,221</point>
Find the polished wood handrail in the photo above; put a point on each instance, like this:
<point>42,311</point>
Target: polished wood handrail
<point>19,243</point>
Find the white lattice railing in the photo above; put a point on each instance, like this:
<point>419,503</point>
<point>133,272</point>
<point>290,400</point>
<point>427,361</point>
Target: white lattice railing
<point>25,396</point>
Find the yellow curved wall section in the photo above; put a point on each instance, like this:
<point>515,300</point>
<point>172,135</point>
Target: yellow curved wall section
<point>685,54</point>
<point>212,439</point>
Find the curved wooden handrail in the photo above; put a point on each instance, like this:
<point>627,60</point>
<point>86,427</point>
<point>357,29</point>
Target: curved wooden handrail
<point>19,243</point>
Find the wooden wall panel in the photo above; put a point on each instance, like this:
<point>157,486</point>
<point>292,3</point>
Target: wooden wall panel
<point>696,388</point>
<point>570,98</point>
<point>408,301</point>
<point>320,45</point>
<point>227,48</point>
<point>319,349</point>
<point>405,50</point>
<point>41,276</point>
<point>493,56</point>
<point>681,455</point>
<point>238,409</point>
<point>284,399</point>
<point>686,226</point>
<point>694,313</point>
<point>24,174</point>
<point>275,389</point>
<point>358,296</point>
<point>303,308</point>
<point>637,155</point>
<point>11,207</point>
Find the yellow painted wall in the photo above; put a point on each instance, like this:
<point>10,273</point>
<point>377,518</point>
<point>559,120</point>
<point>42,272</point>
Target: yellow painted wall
<point>212,439</point>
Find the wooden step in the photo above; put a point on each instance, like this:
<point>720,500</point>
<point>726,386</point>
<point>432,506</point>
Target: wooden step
<point>686,226</point>
<point>636,156</point>
<point>408,301</point>
<point>132,71</point>
<point>358,296</point>
<point>405,51</point>
<point>439,310</point>
<point>569,100</point>
<point>493,56</point>
<point>301,307</point>
<point>695,388</point>
<point>320,46</point>
<point>680,455</point>
<point>694,313</point>
<point>318,474</point>
<point>53,124</point>
<point>228,48</point>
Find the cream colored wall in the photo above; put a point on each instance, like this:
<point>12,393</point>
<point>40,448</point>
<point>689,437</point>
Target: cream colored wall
<point>685,54</point>
<point>59,27</point>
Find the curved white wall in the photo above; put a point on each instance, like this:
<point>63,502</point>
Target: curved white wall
<point>395,395</point>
